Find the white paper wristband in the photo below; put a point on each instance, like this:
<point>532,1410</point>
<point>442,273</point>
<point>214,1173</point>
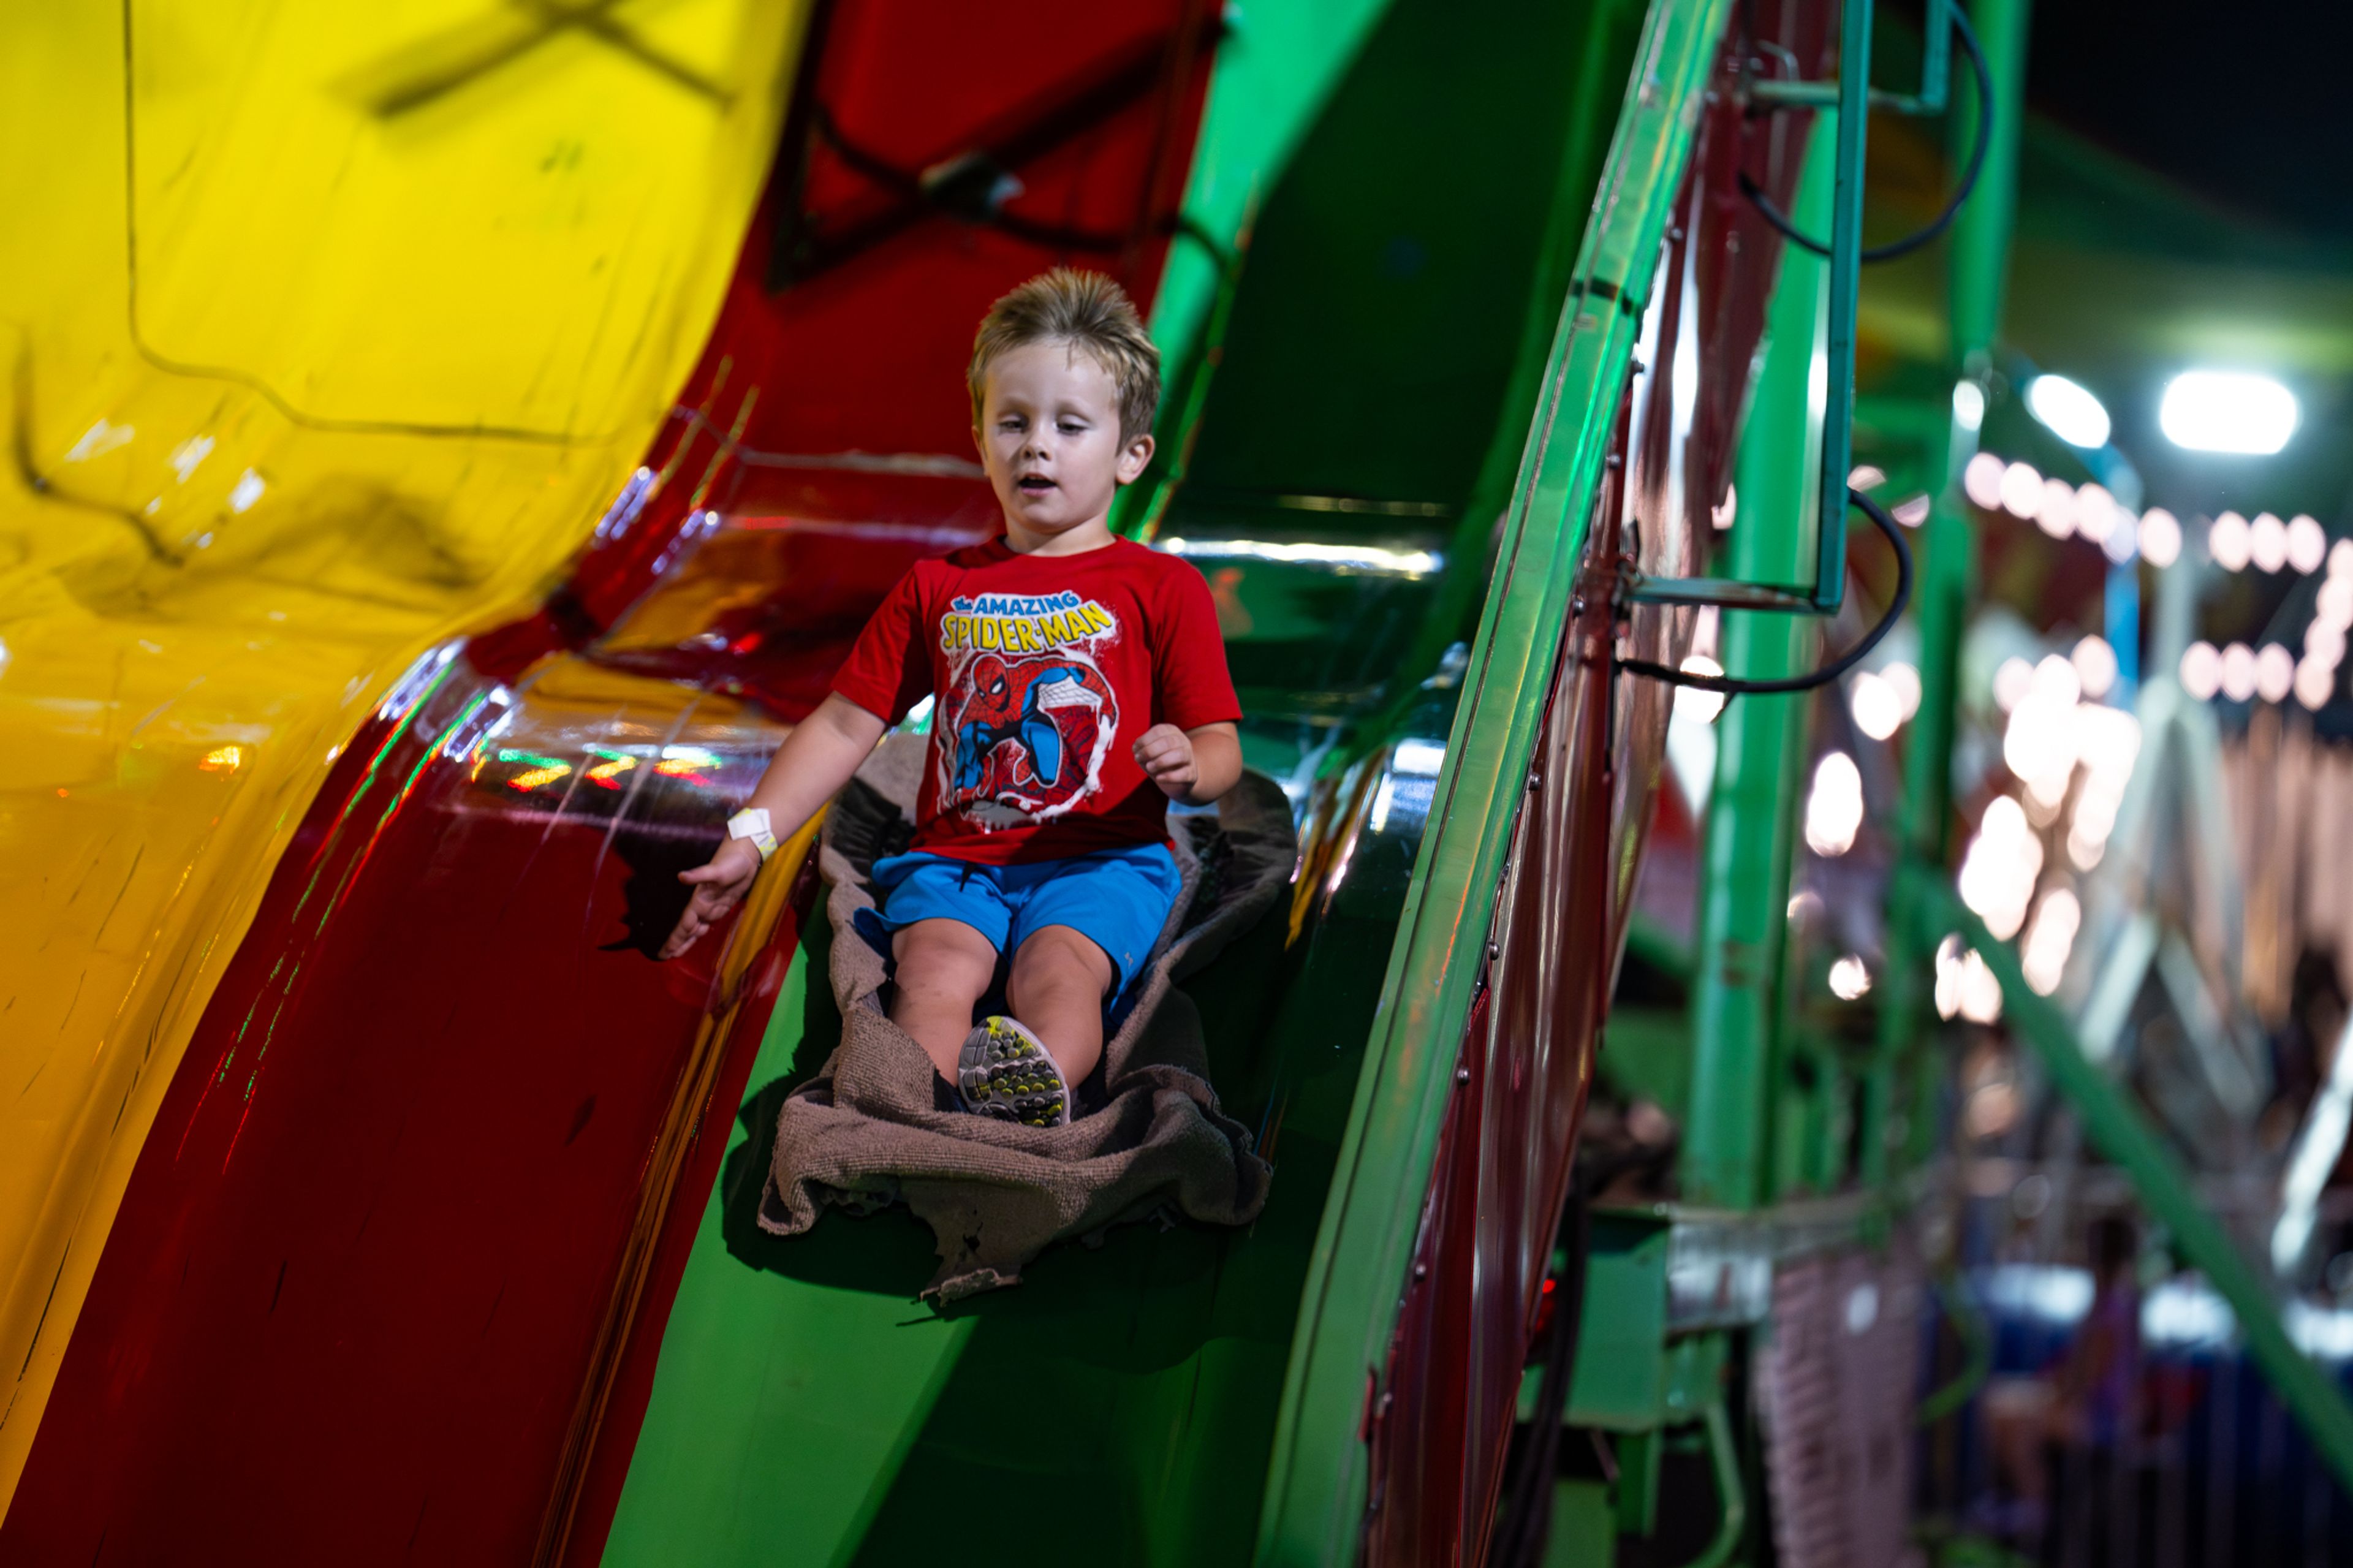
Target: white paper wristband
<point>752,822</point>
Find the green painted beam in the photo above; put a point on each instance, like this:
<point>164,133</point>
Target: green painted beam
<point>1761,742</point>
<point>1980,267</point>
<point>2310,1394</point>
<point>1316,1482</point>
<point>1847,133</point>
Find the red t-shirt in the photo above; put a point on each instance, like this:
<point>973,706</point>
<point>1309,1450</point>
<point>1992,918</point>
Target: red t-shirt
<point>1045,671</point>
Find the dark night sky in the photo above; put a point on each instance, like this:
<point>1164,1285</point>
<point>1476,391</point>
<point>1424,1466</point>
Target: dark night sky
<point>2245,102</point>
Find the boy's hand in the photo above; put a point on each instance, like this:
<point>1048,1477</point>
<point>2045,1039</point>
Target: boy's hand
<point>718,887</point>
<point>1164,752</point>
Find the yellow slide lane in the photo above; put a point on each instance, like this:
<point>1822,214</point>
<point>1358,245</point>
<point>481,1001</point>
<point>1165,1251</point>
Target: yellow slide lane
<point>328,331</point>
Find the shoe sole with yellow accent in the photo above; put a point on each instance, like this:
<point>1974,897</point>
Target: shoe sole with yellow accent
<point>1004,1072</point>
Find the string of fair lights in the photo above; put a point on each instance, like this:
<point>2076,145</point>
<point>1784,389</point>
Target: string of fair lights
<point>2068,743</point>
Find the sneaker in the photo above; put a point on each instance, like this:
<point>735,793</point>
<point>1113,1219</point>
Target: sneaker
<point>1004,1072</point>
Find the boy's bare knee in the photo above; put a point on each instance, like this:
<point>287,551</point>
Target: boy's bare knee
<point>1058,957</point>
<point>944,958</point>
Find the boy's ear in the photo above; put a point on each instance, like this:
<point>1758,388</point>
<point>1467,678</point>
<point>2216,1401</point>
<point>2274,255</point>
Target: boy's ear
<point>978,443</point>
<point>1133,460</point>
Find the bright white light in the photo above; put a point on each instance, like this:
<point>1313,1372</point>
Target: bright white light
<point>1866,476</point>
<point>2340,558</point>
<point>2120,545</point>
<point>2267,542</point>
<point>1365,558</point>
<point>2238,672</point>
<point>2324,640</point>
<point>1981,480</point>
<point>1905,682</point>
<point>2334,602</point>
<point>2068,411</point>
<point>2315,683</point>
<point>2012,680</point>
<point>2022,489</point>
<point>2274,672</point>
<point>1980,992</point>
<point>1968,404</point>
<point>2227,411</point>
<point>2308,546</point>
<point>2230,541</point>
<point>1420,758</point>
<point>2049,939</point>
<point>245,491</point>
<point>1850,978</point>
<point>2000,868</point>
<point>2160,537</point>
<point>1878,710</point>
<point>2201,669</point>
<point>1722,516</point>
<point>1834,809</point>
<point>2109,743</point>
<point>1949,977</point>
<point>2056,513</point>
<point>188,454</point>
<point>2096,514</point>
<point>2040,744</point>
<point>1910,513</point>
<point>2095,665</point>
<point>1690,701</point>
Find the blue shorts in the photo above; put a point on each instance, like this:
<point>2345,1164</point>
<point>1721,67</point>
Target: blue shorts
<point>1117,898</point>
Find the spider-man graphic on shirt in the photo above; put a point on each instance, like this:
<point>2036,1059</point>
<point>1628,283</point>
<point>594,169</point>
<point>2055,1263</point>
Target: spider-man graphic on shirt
<point>1023,735</point>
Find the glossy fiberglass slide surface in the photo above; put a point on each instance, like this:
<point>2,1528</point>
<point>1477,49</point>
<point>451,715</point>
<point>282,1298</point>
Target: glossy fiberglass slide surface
<point>389,1277</point>
<point>325,330</point>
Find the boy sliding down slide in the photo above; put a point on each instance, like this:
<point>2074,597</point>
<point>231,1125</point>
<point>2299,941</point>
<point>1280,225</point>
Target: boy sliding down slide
<point>1042,832</point>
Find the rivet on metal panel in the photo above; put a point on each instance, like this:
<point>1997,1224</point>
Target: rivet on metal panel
<point>1463,1075</point>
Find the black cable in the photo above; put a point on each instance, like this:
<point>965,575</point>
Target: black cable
<point>1773,214</point>
<point>1527,1510</point>
<point>1735,686</point>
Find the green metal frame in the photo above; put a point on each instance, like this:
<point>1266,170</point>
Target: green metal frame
<point>1935,65</point>
<point>1834,449</point>
<point>1317,1483</point>
<point>1736,992</point>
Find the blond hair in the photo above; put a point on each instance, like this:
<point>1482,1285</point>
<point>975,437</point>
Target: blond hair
<point>1086,311</point>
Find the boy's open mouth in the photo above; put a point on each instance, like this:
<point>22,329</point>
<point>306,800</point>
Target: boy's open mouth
<point>1035,484</point>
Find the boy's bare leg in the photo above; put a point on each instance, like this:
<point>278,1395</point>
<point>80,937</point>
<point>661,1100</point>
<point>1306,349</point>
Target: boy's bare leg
<point>944,967</point>
<point>1059,980</point>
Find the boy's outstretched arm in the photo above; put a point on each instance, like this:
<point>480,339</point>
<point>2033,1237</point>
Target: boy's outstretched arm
<point>815,760</point>
<point>1194,766</point>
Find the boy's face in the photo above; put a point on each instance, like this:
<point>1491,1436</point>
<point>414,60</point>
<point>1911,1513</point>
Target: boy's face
<point>1050,438</point>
